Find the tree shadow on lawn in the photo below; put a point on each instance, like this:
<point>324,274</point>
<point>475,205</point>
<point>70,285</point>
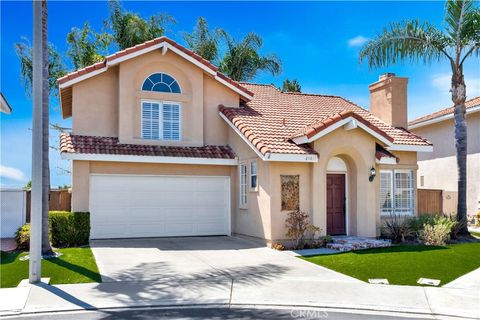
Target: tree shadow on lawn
<point>92,275</point>
<point>392,249</point>
<point>9,257</point>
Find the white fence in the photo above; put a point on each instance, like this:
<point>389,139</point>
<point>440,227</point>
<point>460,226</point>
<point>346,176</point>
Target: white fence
<point>13,211</point>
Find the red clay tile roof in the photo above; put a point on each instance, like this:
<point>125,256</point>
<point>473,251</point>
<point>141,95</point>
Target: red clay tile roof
<point>469,104</point>
<point>147,44</point>
<point>381,152</point>
<point>110,145</point>
<point>272,118</point>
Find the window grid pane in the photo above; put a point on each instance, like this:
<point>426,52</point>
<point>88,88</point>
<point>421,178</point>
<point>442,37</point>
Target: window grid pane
<point>386,191</point>
<point>171,122</point>
<point>404,192</point>
<point>253,174</point>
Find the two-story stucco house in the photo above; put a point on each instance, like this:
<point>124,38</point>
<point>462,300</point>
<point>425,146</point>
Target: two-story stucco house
<point>163,144</point>
<point>438,169</point>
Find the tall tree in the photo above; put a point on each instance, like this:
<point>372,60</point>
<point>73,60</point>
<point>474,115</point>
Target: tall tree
<point>56,67</point>
<point>86,46</point>
<point>242,60</point>
<point>129,29</point>
<point>52,68</point>
<point>291,86</point>
<point>414,41</point>
<point>203,41</point>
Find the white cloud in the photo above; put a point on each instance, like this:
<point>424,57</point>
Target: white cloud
<point>357,41</point>
<point>442,82</point>
<point>11,173</point>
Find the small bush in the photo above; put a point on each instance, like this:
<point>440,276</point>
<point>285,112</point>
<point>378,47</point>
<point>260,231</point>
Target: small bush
<point>435,235</point>
<point>69,229</point>
<point>298,225</point>
<point>397,228</point>
<point>22,237</point>
<point>278,246</point>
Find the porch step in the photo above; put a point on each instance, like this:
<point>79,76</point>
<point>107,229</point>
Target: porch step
<point>343,244</point>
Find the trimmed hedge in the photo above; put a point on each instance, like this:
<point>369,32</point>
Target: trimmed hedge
<point>69,229</point>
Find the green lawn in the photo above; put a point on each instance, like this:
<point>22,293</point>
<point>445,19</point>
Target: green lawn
<point>76,265</point>
<point>403,264</point>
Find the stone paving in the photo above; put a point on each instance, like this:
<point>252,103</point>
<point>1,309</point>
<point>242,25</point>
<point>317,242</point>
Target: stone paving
<point>348,243</point>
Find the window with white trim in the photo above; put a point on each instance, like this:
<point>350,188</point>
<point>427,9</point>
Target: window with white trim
<point>243,185</point>
<point>397,194</point>
<point>161,120</point>
<point>253,174</point>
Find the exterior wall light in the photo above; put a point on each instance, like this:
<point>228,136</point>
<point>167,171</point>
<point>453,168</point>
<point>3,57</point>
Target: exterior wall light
<point>373,173</point>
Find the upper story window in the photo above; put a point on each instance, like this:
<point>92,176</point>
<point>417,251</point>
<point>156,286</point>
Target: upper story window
<point>253,175</point>
<point>161,82</point>
<point>161,120</point>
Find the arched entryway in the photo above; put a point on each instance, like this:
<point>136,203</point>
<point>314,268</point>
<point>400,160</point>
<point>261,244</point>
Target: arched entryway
<point>337,197</point>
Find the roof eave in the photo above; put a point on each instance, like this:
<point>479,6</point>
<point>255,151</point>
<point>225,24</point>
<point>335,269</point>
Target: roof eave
<point>441,118</point>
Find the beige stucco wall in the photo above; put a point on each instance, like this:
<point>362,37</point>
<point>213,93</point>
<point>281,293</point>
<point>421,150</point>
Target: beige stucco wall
<point>439,168</point>
<point>109,104</point>
<point>95,105</point>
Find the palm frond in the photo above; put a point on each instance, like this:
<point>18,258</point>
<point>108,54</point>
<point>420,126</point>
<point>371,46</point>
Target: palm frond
<point>408,41</point>
<point>457,14</point>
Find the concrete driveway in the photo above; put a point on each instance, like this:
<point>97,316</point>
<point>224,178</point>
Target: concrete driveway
<point>202,258</point>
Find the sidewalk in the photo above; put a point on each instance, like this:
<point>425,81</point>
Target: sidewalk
<point>225,291</point>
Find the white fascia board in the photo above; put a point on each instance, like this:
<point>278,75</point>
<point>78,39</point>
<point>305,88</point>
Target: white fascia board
<point>289,157</point>
<point>346,121</point>
<point>191,59</point>
<point>250,144</point>
<point>83,77</point>
<point>147,159</point>
<point>237,90</point>
<point>386,160</point>
<point>284,157</point>
<point>407,147</point>
<point>441,118</point>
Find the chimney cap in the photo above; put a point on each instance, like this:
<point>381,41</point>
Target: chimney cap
<point>386,76</point>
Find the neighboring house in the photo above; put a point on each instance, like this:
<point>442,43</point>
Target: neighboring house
<point>5,106</point>
<point>438,170</point>
<point>165,145</point>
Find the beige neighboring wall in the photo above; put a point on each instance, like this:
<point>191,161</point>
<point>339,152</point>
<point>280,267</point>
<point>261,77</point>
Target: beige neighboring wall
<point>439,168</point>
<point>95,105</point>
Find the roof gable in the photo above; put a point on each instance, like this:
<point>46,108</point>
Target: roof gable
<point>164,44</point>
<point>284,123</point>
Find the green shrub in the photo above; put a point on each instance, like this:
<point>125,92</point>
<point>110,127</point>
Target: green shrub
<point>417,223</point>
<point>435,235</point>
<point>69,229</point>
<point>22,237</point>
<point>397,228</point>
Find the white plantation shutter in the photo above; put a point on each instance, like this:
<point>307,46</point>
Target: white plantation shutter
<point>386,190</point>
<point>171,121</point>
<point>150,120</point>
<point>397,192</point>
<point>404,191</point>
<point>243,185</point>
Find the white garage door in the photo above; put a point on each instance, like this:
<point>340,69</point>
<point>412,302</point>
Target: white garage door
<point>129,206</point>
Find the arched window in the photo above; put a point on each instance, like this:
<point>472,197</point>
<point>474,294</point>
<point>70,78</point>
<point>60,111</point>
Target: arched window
<point>161,82</point>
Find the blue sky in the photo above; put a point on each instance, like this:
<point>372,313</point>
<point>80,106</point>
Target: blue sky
<point>318,43</point>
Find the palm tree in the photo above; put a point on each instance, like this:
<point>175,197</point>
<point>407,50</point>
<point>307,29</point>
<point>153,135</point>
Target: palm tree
<point>242,61</point>
<point>87,47</point>
<point>129,29</point>
<point>291,86</point>
<point>413,41</point>
<point>202,41</point>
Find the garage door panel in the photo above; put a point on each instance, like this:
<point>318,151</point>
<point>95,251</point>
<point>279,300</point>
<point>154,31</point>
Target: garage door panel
<point>155,206</point>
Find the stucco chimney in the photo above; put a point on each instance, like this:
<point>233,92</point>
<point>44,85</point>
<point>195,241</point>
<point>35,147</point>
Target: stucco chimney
<point>388,99</point>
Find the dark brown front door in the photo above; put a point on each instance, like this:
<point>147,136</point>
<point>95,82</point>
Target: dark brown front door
<point>336,204</point>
